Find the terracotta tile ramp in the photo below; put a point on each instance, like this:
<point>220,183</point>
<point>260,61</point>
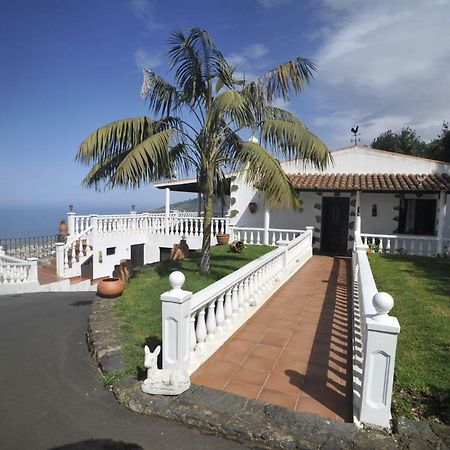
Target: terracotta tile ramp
<point>295,351</point>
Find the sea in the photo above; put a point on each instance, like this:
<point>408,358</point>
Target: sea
<point>33,221</point>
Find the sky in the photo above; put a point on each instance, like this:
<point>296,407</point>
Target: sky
<point>69,67</point>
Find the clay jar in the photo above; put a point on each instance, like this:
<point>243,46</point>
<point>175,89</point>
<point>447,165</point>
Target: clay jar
<point>222,239</point>
<point>110,287</point>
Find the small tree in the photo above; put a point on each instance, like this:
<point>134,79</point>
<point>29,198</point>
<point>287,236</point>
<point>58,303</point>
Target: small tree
<point>405,141</point>
<point>439,148</point>
<point>197,129</point>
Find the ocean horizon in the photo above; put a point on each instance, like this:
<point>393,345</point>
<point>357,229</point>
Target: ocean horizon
<point>30,221</point>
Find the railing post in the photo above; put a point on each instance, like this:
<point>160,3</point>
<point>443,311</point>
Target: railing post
<point>93,220</point>
<point>442,214</point>
<point>33,276</point>
<point>358,212</point>
<point>176,319</point>
<point>71,223</point>
<point>167,211</point>
<point>379,362</point>
<point>285,253</point>
<point>60,259</point>
<point>266,226</point>
<point>310,230</point>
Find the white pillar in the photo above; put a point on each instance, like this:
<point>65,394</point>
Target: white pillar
<point>199,204</point>
<point>378,363</point>
<point>176,322</point>
<point>71,223</point>
<point>93,235</point>
<point>60,259</point>
<point>310,230</point>
<point>167,210</point>
<point>266,226</point>
<point>33,270</point>
<point>358,212</point>
<point>441,220</point>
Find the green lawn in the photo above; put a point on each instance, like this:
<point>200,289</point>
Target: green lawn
<point>140,305</point>
<point>421,290</point>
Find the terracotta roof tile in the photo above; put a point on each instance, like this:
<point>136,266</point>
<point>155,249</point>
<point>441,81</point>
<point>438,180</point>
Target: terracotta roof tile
<point>372,182</point>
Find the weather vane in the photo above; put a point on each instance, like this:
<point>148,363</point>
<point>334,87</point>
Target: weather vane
<point>355,138</point>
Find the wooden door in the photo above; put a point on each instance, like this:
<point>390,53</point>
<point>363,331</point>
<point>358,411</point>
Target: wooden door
<point>334,230</point>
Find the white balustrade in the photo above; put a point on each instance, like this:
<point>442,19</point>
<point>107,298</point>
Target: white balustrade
<point>403,244</point>
<point>255,236</point>
<point>375,336</point>
<point>15,271</point>
<point>217,311</point>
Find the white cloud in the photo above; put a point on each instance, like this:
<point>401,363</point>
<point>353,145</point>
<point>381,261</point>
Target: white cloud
<point>148,60</point>
<point>382,65</point>
<point>247,60</point>
<point>143,10</point>
<point>249,53</point>
<point>273,3</point>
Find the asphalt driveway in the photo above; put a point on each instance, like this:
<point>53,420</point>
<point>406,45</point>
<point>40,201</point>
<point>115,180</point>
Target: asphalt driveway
<point>51,395</point>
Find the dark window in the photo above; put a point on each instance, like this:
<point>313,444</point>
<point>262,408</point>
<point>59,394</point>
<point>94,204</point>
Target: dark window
<point>417,216</point>
<point>110,251</point>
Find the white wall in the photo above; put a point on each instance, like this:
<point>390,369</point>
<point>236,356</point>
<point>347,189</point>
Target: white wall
<point>360,159</point>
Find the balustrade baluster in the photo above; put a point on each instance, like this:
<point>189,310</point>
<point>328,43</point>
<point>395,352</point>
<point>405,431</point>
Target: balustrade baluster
<point>193,336</point>
<point>388,246</point>
<point>211,320</point>
<point>228,308</point>
<point>247,291</point>
<point>258,238</point>
<point>200,330</point>
<point>251,237</point>
<point>241,297</point>
<point>381,247</point>
<point>220,313</point>
<point>252,279</point>
<point>234,301</point>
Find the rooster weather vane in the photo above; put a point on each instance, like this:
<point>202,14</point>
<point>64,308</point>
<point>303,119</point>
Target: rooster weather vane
<point>355,138</point>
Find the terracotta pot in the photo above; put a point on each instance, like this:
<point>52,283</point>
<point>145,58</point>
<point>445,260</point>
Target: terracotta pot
<point>222,239</point>
<point>110,287</point>
<point>63,228</point>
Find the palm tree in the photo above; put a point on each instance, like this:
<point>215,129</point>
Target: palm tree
<point>197,127</point>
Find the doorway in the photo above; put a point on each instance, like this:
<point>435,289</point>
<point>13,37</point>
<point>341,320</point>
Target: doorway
<point>334,230</point>
<point>137,255</point>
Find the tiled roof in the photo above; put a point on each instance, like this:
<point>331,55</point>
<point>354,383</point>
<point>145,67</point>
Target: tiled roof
<point>371,182</point>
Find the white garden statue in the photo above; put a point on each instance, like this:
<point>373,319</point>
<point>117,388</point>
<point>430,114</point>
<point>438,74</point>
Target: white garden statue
<point>163,381</point>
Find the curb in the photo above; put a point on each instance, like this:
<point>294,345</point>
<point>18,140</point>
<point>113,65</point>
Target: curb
<point>251,422</point>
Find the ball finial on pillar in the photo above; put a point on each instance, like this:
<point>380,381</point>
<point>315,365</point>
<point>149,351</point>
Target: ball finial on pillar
<point>383,303</point>
<point>176,280</point>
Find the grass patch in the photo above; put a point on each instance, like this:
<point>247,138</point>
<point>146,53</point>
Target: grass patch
<point>140,305</point>
<point>421,290</point>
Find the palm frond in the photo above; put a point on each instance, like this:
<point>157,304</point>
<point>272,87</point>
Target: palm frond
<point>146,162</point>
<point>162,97</point>
<point>232,106</point>
<point>285,78</point>
<point>114,138</point>
<point>264,171</point>
<point>293,140</point>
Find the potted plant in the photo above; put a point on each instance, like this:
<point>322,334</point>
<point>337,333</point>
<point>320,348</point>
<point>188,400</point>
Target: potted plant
<point>373,247</point>
<point>222,238</point>
<point>63,228</point>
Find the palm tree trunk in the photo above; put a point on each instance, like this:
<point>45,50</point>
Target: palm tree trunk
<point>207,220</point>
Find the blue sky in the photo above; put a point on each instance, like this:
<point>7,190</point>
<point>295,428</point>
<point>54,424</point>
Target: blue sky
<point>68,67</point>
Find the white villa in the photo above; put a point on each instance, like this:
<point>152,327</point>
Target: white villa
<point>397,201</point>
<point>393,201</point>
